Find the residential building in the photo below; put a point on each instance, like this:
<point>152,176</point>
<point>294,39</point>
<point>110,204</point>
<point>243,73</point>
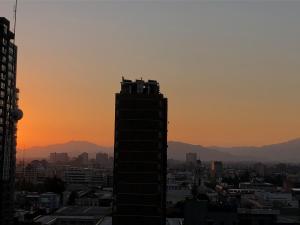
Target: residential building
<point>9,115</point>
<point>83,158</point>
<point>191,158</point>
<point>102,159</point>
<point>56,157</point>
<point>140,154</point>
<point>216,169</point>
<point>83,176</point>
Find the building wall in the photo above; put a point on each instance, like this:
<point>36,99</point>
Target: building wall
<point>191,157</point>
<point>9,114</point>
<point>140,155</point>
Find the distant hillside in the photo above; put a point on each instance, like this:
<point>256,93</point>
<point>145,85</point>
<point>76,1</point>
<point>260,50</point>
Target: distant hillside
<point>283,152</point>
<point>178,150</point>
<point>73,148</point>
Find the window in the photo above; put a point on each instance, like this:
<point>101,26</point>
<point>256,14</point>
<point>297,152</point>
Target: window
<point>11,51</point>
<point>10,67</point>
<point>4,41</point>
<point>10,75</point>
<point>5,28</point>
<point>4,51</point>
<point>10,58</point>
<point>3,68</point>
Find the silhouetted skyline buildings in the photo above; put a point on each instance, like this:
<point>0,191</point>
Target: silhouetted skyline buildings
<point>9,115</point>
<point>140,154</point>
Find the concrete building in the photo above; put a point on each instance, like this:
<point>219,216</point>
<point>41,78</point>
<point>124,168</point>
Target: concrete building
<point>83,158</point>
<point>257,186</point>
<point>108,180</point>
<point>140,154</point>
<point>75,215</point>
<point>83,176</point>
<point>94,198</point>
<point>49,201</point>
<point>9,115</point>
<point>56,157</point>
<point>257,216</point>
<point>198,212</point>
<point>102,159</point>
<point>216,169</point>
<point>260,169</point>
<point>191,158</point>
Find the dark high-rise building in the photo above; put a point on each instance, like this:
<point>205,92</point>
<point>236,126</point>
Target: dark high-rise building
<point>216,169</point>
<point>140,154</point>
<point>9,115</point>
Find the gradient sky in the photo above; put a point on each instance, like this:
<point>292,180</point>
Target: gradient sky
<point>231,69</point>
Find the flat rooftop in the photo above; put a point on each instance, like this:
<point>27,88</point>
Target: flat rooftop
<point>83,211</point>
<point>170,221</point>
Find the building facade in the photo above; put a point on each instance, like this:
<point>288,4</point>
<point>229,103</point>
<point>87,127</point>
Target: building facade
<point>102,159</point>
<point>9,115</point>
<point>140,154</point>
<point>56,157</point>
<point>83,176</point>
<point>216,169</point>
<point>83,158</point>
<point>191,158</point>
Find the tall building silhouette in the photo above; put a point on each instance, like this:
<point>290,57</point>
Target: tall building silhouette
<point>140,154</point>
<point>9,115</point>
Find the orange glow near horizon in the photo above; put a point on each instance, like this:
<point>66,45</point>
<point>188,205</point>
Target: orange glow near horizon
<point>229,70</point>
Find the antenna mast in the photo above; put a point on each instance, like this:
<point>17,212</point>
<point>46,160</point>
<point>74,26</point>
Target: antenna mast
<point>15,18</point>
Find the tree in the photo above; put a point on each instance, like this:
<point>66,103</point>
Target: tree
<point>72,198</point>
<point>55,185</point>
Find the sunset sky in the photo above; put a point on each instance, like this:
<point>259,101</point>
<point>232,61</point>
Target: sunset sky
<point>230,69</point>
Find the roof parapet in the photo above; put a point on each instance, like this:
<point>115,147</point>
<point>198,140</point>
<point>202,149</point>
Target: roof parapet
<point>140,86</point>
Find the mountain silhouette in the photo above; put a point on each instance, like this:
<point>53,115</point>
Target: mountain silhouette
<point>178,150</point>
<point>288,151</point>
<point>73,148</point>
<point>282,152</point>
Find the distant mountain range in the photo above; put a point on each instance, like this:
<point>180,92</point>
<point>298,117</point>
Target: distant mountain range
<point>178,150</point>
<point>283,152</point>
<point>73,148</point>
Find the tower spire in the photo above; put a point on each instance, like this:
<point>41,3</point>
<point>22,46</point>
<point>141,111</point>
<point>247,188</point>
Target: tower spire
<point>15,18</point>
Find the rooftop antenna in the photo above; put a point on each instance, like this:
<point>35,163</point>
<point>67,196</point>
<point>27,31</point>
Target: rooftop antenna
<point>23,163</point>
<point>15,18</point>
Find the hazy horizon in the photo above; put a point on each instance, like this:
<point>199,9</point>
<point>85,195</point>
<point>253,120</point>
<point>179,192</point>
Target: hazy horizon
<point>230,69</point>
<point>286,152</point>
<point>178,141</point>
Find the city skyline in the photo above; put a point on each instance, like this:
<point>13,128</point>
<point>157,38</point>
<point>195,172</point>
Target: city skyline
<point>229,70</point>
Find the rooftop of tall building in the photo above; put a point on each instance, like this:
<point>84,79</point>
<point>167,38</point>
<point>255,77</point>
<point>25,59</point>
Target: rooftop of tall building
<point>4,20</point>
<point>5,26</point>
<point>139,86</point>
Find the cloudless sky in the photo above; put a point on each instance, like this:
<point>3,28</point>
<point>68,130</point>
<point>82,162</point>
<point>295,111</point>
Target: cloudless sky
<point>231,69</point>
